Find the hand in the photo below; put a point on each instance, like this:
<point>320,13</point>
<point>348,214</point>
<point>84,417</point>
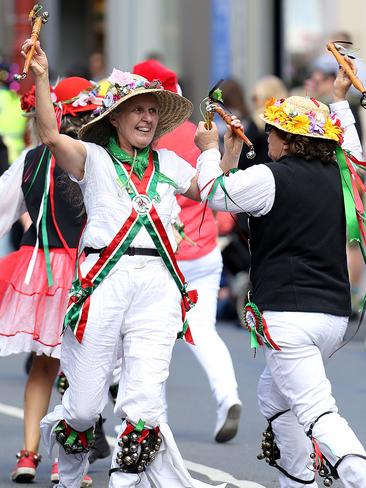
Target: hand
<point>206,139</point>
<point>232,143</point>
<point>342,82</point>
<point>39,62</point>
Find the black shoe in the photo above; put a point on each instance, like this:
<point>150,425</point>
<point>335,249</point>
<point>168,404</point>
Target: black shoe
<point>101,447</point>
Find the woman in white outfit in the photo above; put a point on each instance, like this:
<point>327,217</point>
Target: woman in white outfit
<point>301,294</point>
<point>129,291</point>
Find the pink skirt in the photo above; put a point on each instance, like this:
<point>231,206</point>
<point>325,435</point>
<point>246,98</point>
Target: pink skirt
<point>31,315</point>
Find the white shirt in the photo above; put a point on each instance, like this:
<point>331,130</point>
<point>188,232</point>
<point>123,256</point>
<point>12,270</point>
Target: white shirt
<point>108,205</point>
<point>12,203</point>
<point>253,190</point>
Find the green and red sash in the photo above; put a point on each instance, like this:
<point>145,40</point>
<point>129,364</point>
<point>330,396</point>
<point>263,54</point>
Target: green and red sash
<point>143,214</point>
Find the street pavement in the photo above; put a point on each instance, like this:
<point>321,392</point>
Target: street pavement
<point>192,414</point>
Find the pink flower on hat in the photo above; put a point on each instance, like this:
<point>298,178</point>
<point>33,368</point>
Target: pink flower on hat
<point>121,78</point>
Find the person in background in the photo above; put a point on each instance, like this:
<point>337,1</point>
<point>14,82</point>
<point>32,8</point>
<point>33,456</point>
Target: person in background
<point>35,281</point>
<point>235,102</point>
<point>265,88</point>
<point>12,122</point>
<point>201,263</point>
<point>97,67</point>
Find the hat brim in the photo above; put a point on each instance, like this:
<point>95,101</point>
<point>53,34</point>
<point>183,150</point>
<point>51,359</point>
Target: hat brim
<point>279,126</point>
<point>174,109</point>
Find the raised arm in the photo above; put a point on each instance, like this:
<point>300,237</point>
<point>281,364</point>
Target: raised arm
<point>70,154</point>
<point>340,107</point>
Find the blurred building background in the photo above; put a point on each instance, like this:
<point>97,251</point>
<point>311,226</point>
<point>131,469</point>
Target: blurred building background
<point>203,40</point>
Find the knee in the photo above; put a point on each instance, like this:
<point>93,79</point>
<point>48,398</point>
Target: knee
<point>82,413</point>
<point>146,404</point>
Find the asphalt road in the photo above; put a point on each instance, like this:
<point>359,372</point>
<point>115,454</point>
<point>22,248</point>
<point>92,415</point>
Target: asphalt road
<point>192,414</point>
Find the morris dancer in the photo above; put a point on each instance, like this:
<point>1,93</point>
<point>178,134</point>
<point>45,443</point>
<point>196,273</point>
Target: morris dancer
<point>130,292</point>
<point>35,281</point>
<point>300,280</point>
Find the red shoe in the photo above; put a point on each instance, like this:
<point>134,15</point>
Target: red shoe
<point>86,483</point>
<point>25,470</point>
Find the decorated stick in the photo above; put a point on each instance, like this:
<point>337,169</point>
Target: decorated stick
<point>36,18</point>
<point>357,83</point>
<point>214,104</point>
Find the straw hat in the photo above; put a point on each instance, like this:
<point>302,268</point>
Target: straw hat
<point>303,116</point>
<point>173,109</point>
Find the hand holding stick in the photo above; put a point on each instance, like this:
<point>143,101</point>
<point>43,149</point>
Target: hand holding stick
<point>215,107</point>
<point>36,18</point>
<point>356,82</point>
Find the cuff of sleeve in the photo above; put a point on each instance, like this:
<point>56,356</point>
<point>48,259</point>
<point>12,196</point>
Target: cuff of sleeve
<point>343,111</point>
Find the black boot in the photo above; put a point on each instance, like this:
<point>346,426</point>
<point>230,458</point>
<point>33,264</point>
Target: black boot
<point>101,447</point>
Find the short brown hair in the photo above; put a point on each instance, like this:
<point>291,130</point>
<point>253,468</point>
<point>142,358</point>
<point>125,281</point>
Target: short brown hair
<point>308,147</point>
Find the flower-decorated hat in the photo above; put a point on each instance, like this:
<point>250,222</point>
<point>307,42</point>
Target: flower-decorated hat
<point>75,94</point>
<point>303,116</point>
<point>173,108</point>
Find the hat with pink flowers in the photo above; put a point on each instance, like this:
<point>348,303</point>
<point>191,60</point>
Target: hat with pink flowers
<point>173,108</point>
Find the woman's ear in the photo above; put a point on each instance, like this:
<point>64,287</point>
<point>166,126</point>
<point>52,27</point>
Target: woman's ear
<point>112,119</point>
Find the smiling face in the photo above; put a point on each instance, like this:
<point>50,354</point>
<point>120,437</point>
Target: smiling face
<point>135,122</point>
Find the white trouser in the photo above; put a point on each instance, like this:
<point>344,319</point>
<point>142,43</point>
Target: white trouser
<point>128,307</point>
<point>295,378</point>
<point>204,275</point>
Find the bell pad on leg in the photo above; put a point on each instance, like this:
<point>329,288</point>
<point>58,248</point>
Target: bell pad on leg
<point>271,453</point>
<point>138,448</point>
<point>72,441</point>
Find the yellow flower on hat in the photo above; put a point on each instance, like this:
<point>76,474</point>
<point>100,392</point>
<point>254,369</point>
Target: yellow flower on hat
<point>275,113</point>
<point>333,130</point>
<point>297,125</point>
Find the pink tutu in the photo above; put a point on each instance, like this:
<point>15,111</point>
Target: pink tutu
<point>31,315</point>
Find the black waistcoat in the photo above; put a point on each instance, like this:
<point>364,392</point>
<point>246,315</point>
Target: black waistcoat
<point>67,215</point>
<point>298,249</point>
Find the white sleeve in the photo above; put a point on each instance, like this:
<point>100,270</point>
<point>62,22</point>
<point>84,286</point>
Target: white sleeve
<point>351,140</point>
<point>251,190</point>
<point>90,157</point>
<point>178,169</point>
<point>12,204</point>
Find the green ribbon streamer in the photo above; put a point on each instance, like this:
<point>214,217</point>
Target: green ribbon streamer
<point>36,172</point>
<point>162,178</point>
<point>220,180</point>
<point>353,231</point>
<point>44,224</point>
<point>254,344</point>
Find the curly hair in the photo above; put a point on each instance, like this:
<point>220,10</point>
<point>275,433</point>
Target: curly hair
<point>308,148</point>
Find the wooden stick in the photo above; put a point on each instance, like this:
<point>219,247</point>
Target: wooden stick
<point>37,21</point>
<point>357,83</point>
<point>226,117</point>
